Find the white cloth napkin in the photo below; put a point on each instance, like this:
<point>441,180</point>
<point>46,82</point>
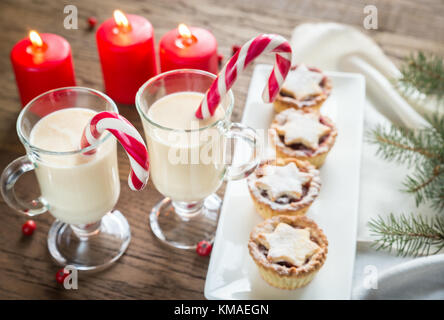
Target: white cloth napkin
<point>332,46</point>
<point>418,278</point>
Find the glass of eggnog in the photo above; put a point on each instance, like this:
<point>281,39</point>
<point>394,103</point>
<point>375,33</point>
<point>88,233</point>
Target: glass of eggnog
<point>190,158</point>
<point>80,190</point>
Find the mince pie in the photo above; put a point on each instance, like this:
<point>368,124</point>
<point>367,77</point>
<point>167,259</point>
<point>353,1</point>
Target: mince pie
<point>304,88</point>
<point>284,187</point>
<point>303,135</point>
<point>288,250</point>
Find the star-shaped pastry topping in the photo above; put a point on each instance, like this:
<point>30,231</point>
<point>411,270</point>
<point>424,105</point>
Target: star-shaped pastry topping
<point>302,128</point>
<point>288,244</point>
<point>279,181</point>
<point>302,83</point>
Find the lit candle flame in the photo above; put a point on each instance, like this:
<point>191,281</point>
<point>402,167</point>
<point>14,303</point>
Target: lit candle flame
<point>35,39</point>
<point>121,19</point>
<point>184,31</point>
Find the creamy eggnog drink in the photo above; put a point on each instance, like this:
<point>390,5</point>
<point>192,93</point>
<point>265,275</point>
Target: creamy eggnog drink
<point>187,155</point>
<point>78,188</point>
<point>185,166</point>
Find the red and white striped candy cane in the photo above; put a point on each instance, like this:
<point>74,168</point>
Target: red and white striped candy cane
<point>263,43</point>
<point>128,137</point>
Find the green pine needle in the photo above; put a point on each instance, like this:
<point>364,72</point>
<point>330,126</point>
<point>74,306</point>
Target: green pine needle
<point>422,150</point>
<point>408,234</point>
<point>427,184</point>
<point>437,123</point>
<point>402,145</point>
<point>424,73</point>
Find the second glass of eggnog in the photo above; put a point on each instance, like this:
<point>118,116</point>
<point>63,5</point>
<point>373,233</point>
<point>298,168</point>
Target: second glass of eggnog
<point>78,189</point>
<point>188,156</point>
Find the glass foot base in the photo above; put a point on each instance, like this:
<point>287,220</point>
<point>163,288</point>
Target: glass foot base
<point>185,230</point>
<point>90,247</point>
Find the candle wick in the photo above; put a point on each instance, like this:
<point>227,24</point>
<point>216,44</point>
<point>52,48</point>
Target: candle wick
<point>35,49</point>
<point>184,41</point>
<point>125,28</point>
<point>38,47</point>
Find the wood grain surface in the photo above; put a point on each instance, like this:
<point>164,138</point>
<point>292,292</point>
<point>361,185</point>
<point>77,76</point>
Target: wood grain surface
<point>150,270</point>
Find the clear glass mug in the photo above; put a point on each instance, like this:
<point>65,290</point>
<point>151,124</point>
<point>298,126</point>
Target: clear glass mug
<point>188,172</point>
<point>79,191</point>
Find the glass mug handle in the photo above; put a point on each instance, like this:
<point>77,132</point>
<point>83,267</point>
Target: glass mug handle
<point>9,177</point>
<point>248,135</point>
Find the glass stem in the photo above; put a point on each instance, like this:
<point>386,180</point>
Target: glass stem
<point>84,231</point>
<point>188,210</point>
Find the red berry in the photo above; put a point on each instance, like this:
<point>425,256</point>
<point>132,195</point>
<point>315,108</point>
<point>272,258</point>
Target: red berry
<point>204,248</point>
<point>28,227</point>
<point>235,49</point>
<point>61,275</point>
<point>92,21</point>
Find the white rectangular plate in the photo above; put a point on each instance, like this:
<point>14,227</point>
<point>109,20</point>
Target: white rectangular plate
<point>232,273</point>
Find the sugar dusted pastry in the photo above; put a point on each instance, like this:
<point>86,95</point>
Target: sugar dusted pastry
<point>288,250</point>
<point>283,186</point>
<point>304,88</point>
<point>288,244</point>
<point>303,135</point>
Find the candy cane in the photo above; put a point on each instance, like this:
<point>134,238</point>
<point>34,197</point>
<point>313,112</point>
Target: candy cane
<point>249,51</point>
<point>128,137</point>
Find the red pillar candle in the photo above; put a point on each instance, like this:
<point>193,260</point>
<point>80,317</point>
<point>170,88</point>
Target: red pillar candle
<point>127,54</point>
<point>193,48</point>
<point>41,63</point>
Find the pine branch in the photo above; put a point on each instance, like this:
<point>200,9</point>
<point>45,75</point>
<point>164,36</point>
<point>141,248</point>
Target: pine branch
<point>408,235</point>
<point>423,150</point>
<point>424,73</point>
<point>437,122</point>
<point>427,184</point>
<point>404,145</point>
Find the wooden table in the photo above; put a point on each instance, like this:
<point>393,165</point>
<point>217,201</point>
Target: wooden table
<point>150,270</point>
